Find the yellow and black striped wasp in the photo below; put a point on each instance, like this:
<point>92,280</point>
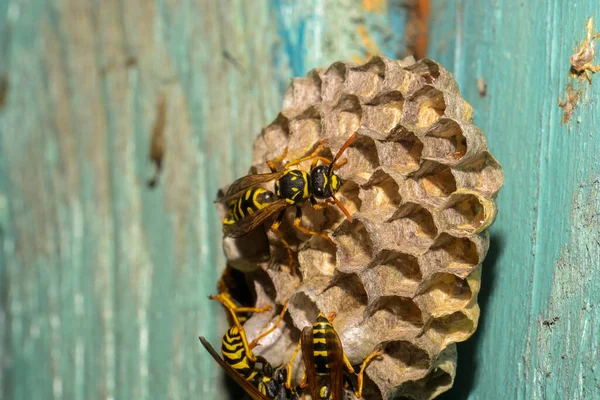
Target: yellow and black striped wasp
<point>327,369</point>
<point>250,205</point>
<point>241,364</point>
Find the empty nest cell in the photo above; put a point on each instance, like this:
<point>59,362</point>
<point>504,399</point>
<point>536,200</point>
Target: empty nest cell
<point>302,92</point>
<point>393,317</point>
<point>354,246</point>
<point>382,116</point>
<point>445,141</point>
<point>381,195</point>
<point>430,107</point>
<point>402,155</point>
<point>444,294</point>
<point>411,231</point>
<point>394,273</point>
<point>453,328</point>
<point>482,174</point>
<point>451,253</point>
<point>466,213</point>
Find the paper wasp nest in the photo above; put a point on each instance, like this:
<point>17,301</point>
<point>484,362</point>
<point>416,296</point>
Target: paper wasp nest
<point>421,186</point>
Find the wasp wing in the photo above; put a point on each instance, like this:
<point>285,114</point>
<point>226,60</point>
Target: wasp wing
<point>254,220</point>
<point>335,355</point>
<point>247,386</point>
<point>308,356</point>
<point>239,186</point>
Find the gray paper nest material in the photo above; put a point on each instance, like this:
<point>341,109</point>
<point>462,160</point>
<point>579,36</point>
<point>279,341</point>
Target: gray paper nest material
<point>421,185</point>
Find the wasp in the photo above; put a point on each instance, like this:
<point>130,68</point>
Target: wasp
<point>327,369</point>
<point>251,205</point>
<point>241,364</point>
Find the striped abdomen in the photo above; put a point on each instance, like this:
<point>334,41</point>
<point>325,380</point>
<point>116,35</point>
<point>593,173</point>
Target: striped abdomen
<point>251,201</point>
<point>325,341</point>
<point>234,354</point>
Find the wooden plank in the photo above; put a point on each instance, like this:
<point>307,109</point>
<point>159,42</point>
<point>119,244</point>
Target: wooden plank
<point>538,336</point>
<point>103,279</point>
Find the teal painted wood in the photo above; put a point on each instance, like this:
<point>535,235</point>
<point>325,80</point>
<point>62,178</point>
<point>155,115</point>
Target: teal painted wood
<point>103,280</point>
<point>539,332</point>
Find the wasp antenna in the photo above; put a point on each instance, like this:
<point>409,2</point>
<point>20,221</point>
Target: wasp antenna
<point>342,208</point>
<point>341,151</point>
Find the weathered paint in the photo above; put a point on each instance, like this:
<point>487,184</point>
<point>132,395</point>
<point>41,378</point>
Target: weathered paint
<point>103,280</point>
<point>539,330</point>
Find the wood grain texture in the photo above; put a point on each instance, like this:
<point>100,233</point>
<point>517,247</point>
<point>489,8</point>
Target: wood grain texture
<point>103,280</point>
<point>538,336</point>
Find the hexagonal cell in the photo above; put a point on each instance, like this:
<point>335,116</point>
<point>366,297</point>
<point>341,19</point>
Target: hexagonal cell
<point>444,294</point>
<point>381,194</point>
<point>426,227</point>
<point>302,92</point>
<point>466,213</point>
<point>363,83</point>
<point>444,141</point>
<point>451,253</point>
<point>303,309</point>
<point>349,288</point>
<point>456,327</point>
<point>394,317</point>
<point>394,273</point>
<point>382,116</point>
<point>333,82</point>
<point>276,136</point>
<point>362,159</point>
<point>433,384</point>
<point>433,73</point>
<point>355,248</point>
<point>483,174</point>
<point>403,155</point>
<point>344,119</point>
<point>430,106</point>
<point>404,354</point>
<point>432,184</point>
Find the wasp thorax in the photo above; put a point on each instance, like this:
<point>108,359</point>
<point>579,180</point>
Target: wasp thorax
<point>292,186</point>
<point>323,185</point>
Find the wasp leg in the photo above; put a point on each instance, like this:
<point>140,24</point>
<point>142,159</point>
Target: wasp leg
<point>309,157</point>
<point>271,163</point>
<point>271,329</point>
<point>340,163</point>
<point>288,366</point>
<point>360,375</point>
<point>320,206</point>
<point>307,231</point>
<point>225,299</point>
<point>276,231</point>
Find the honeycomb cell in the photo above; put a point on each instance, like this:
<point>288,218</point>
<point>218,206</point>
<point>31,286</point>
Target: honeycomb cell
<point>395,317</point>
<point>303,131</point>
<point>393,273</point>
<point>422,218</point>
<point>402,155</point>
<point>466,213</point>
<point>363,83</point>
<point>344,119</point>
<point>333,83</point>
<point>381,193</point>
<point>458,255</point>
<point>302,93</point>
<point>482,174</point>
<point>431,185</point>
<point>444,142</point>
<point>380,121</point>
<point>444,293</point>
<point>434,74</point>
<point>362,159</point>
<point>355,248</point>
<point>276,135</point>
<point>453,328</point>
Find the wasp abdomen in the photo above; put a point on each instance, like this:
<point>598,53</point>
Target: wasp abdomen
<point>234,354</point>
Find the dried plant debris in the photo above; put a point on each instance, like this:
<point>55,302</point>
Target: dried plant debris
<point>421,185</point>
<point>583,58</point>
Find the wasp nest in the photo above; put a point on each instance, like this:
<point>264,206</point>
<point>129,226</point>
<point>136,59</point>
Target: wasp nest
<point>421,186</point>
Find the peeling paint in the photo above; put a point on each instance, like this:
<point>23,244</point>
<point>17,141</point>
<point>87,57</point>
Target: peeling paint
<point>157,141</point>
<point>583,58</point>
<point>570,102</point>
